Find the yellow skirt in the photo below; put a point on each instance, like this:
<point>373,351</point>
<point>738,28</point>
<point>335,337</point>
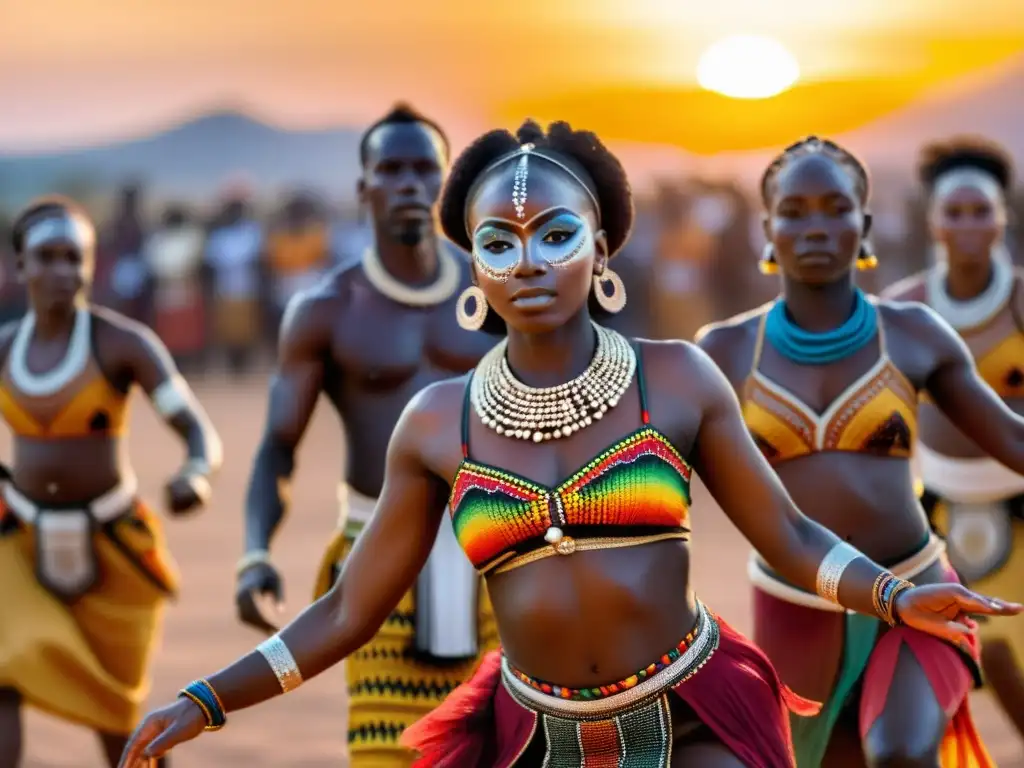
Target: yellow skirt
<point>86,662</point>
<point>1006,583</point>
<point>388,689</point>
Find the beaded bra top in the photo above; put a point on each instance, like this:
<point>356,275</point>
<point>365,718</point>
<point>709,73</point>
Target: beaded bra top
<point>633,493</point>
<point>876,414</point>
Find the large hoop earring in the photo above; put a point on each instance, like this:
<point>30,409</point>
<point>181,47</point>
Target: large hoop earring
<point>610,291</point>
<point>866,260</point>
<point>471,309</point>
<point>768,265</point>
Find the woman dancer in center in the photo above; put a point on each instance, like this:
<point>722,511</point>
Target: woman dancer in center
<point>829,381</point>
<point>567,459</point>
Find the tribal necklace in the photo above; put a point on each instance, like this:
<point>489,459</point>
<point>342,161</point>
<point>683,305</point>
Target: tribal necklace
<point>514,409</point>
<point>442,289</point>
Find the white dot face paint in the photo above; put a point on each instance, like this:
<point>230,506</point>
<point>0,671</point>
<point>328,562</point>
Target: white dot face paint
<point>557,237</point>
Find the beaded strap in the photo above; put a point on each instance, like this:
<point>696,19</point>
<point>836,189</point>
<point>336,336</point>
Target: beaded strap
<point>830,572</point>
<point>201,693</point>
<point>281,662</point>
<point>604,691</point>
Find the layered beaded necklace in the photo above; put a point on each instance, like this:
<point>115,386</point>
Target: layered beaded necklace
<point>516,410</point>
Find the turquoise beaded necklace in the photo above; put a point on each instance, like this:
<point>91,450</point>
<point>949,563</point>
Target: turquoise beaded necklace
<point>807,348</point>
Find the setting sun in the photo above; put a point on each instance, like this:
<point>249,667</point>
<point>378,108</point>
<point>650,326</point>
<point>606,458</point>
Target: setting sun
<point>747,67</point>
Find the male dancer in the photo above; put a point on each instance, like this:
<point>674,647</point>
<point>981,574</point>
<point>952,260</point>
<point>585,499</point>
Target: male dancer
<point>369,336</point>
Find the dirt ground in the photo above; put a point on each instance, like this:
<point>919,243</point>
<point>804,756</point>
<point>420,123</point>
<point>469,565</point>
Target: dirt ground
<point>306,729</point>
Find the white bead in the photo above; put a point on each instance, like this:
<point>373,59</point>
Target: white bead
<point>553,535</point>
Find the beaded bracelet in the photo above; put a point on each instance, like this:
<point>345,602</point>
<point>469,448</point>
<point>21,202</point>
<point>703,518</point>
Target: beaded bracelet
<point>201,693</point>
<point>895,591</point>
<point>884,592</point>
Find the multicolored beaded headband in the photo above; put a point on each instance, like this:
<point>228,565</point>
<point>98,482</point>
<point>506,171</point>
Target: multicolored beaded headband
<point>65,227</point>
<point>522,173</point>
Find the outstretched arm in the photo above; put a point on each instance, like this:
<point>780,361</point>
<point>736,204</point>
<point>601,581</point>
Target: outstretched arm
<point>154,370</point>
<point>384,563</point>
<point>805,553</point>
<point>962,395</point>
<point>294,389</point>
<point>751,494</point>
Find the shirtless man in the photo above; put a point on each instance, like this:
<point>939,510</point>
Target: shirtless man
<point>369,336</point>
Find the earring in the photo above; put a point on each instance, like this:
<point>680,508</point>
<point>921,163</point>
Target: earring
<point>610,291</point>
<point>865,258</point>
<point>471,309</point>
<point>767,265</point>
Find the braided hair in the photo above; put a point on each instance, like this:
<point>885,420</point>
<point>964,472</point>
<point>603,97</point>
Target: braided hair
<point>812,145</point>
<point>940,157</point>
<point>581,150</point>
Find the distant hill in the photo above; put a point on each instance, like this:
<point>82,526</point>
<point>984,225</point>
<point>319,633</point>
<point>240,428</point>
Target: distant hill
<point>191,159</point>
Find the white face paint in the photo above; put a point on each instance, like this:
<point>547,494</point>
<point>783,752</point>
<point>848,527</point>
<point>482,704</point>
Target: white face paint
<point>556,236</point>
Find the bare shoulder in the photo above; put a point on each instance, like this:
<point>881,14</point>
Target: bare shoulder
<point>911,288</point>
<point>680,366</point>
<point>433,416</point>
<point>438,401</point>
<point>908,315</point>
<point>730,343</point>
<point>311,314</point>
<point>922,330</point>
<point>721,336</point>
<point>112,329</point>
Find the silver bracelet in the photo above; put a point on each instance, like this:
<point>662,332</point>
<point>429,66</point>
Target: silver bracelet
<point>281,662</point>
<point>830,572</point>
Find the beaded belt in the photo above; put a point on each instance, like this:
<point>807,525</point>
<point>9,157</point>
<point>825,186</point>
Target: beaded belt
<point>628,726</point>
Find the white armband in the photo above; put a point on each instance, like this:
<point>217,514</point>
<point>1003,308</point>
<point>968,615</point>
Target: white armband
<point>172,397</point>
<point>281,662</point>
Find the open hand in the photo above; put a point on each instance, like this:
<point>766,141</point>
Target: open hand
<point>258,585</point>
<point>161,731</point>
<point>943,610</point>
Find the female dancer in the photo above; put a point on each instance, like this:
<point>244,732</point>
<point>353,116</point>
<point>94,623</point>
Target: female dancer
<point>975,501</point>
<point>581,528</point>
<point>829,381</point>
<point>83,565</point>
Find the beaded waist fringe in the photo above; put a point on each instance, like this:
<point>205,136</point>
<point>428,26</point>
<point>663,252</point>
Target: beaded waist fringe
<point>608,701</point>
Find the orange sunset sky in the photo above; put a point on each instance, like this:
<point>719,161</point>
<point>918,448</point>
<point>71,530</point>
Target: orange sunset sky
<point>82,71</point>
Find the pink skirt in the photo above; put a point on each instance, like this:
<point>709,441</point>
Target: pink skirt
<point>734,691</point>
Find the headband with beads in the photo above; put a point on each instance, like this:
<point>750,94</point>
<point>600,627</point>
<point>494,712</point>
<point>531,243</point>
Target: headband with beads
<point>519,193</point>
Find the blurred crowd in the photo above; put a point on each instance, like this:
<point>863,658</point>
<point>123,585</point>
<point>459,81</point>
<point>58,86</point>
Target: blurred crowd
<point>213,280</point>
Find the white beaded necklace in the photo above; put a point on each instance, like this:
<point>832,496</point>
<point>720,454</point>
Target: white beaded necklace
<point>438,292</point>
<point>983,307</point>
<point>516,410</point>
<point>53,380</point>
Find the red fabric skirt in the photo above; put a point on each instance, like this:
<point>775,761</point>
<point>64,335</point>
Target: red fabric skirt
<point>795,635</point>
<point>736,694</point>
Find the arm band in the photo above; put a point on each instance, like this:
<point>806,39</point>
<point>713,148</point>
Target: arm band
<point>172,397</point>
<point>281,662</point>
<point>830,572</point>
